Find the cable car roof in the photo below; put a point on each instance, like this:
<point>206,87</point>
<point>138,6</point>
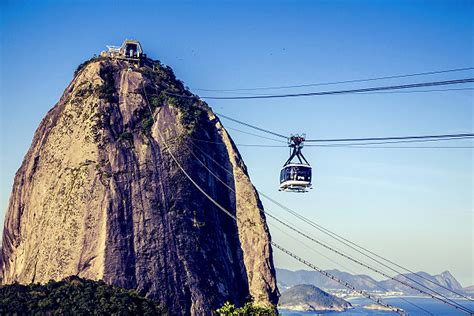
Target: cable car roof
<point>297,165</point>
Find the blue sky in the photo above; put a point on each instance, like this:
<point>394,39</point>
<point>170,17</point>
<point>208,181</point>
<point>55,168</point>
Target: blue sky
<point>411,205</point>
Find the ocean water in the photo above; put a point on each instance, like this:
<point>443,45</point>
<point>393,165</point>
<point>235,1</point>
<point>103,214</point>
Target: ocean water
<point>432,306</point>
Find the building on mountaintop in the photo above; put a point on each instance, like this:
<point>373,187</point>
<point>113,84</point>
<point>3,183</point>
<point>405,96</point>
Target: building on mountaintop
<point>130,50</point>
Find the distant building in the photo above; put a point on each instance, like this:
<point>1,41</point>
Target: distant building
<point>130,50</point>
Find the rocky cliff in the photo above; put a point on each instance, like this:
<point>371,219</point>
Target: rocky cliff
<point>98,195</point>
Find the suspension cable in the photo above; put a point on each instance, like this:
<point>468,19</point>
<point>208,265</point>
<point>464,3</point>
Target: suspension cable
<point>370,280</point>
<point>446,300</point>
<point>339,82</point>
<point>252,126</point>
<point>353,246</point>
<point>449,136</point>
<point>266,212</point>
<point>416,137</point>
<point>339,238</point>
<point>332,277</point>
<point>333,92</point>
<point>357,145</point>
<point>314,267</point>
<point>256,135</point>
<point>363,144</point>
<point>197,186</point>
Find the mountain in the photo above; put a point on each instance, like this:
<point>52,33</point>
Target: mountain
<point>469,290</point>
<point>445,278</point>
<point>74,296</point>
<point>288,278</point>
<point>100,195</point>
<point>305,297</point>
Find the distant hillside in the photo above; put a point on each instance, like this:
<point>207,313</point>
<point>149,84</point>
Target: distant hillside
<point>446,279</point>
<point>469,290</point>
<point>76,296</point>
<point>287,278</point>
<point>306,297</point>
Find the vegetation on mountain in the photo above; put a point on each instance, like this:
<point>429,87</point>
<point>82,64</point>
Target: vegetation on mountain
<point>248,309</point>
<point>74,295</point>
<point>116,206</point>
<point>107,90</point>
<point>305,297</point>
<point>163,79</point>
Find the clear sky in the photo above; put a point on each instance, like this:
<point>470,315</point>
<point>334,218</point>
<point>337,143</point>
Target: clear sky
<point>414,206</point>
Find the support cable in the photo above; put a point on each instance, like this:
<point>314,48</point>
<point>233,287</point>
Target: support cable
<point>418,91</point>
<point>312,266</point>
<point>340,82</point>
<point>256,135</point>
<point>357,145</point>
<point>252,126</point>
<point>373,282</point>
<point>416,137</point>
<point>354,247</point>
<point>332,92</point>
<point>377,300</point>
<point>363,144</point>
<point>444,299</point>
<point>449,136</point>
<point>266,212</point>
<point>342,239</point>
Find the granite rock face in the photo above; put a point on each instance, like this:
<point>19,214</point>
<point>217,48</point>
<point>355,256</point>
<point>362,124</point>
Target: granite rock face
<point>98,195</point>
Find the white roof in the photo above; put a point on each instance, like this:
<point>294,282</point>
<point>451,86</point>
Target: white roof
<point>297,165</point>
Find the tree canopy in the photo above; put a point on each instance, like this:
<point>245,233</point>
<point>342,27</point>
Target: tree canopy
<point>74,295</point>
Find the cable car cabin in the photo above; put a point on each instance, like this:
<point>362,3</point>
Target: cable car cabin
<point>295,177</point>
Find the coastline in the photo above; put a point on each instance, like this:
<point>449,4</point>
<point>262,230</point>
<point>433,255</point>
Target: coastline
<point>433,306</point>
<point>405,296</point>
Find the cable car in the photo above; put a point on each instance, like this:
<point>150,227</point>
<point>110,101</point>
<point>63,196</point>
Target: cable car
<point>295,177</point>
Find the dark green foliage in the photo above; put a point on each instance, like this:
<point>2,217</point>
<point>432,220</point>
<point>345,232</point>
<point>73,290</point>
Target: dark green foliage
<point>155,102</point>
<point>248,309</point>
<point>147,123</point>
<point>84,64</point>
<point>163,85</point>
<point>74,296</point>
<point>190,115</point>
<point>126,136</point>
<point>107,90</point>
